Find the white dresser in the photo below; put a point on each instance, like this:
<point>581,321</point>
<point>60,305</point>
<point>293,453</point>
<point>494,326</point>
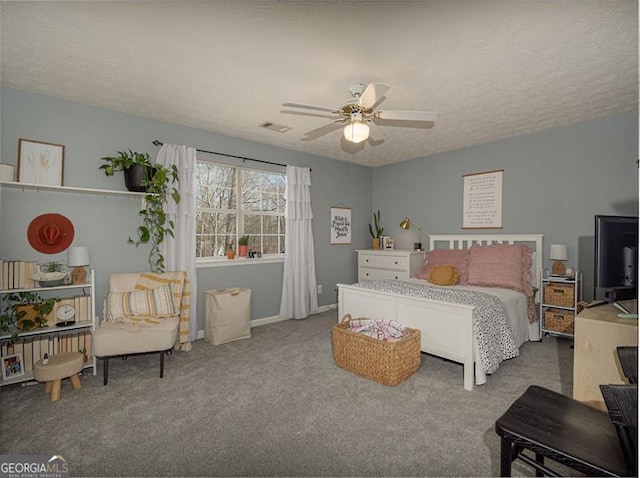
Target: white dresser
<point>396,264</point>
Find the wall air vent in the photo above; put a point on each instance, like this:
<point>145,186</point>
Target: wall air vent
<point>278,128</point>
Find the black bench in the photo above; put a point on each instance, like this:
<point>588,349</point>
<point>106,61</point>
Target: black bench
<point>551,425</point>
<point>554,426</point>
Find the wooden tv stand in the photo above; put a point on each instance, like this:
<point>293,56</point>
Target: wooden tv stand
<point>598,331</point>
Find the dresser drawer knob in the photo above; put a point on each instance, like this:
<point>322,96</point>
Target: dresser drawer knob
<point>396,262</point>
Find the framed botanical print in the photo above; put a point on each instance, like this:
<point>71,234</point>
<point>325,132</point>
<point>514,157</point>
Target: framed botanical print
<point>40,162</point>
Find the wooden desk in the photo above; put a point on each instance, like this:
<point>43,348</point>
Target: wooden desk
<point>598,331</point>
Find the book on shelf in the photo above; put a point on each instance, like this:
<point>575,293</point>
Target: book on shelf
<point>88,343</point>
<point>76,306</point>
<point>44,346</point>
<point>75,343</point>
<point>18,348</point>
<point>28,355</point>
<point>36,349</point>
<point>85,301</point>
<point>17,274</point>
<point>33,349</point>
<point>5,275</point>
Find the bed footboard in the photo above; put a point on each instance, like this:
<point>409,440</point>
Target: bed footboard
<point>446,328</point>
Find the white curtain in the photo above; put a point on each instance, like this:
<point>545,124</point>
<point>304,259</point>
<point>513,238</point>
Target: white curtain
<point>299,289</point>
<point>180,251</point>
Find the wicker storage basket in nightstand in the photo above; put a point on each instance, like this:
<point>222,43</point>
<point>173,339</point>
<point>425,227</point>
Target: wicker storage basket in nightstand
<point>559,320</point>
<point>559,294</point>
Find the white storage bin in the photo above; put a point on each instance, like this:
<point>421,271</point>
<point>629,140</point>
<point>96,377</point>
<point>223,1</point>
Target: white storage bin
<point>228,315</point>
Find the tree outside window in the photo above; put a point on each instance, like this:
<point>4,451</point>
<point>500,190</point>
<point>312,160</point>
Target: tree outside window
<point>232,202</point>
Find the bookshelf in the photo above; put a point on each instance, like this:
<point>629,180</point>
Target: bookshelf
<point>58,339</point>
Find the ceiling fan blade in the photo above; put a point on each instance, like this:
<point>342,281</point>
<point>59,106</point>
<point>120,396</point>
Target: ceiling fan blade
<point>374,142</point>
<point>407,115</point>
<point>371,94</point>
<point>304,113</point>
<point>375,129</point>
<point>322,130</point>
<point>308,107</point>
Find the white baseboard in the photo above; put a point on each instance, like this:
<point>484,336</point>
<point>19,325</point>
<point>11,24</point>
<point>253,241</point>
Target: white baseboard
<point>276,318</point>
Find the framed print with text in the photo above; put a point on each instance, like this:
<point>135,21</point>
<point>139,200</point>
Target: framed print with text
<point>482,200</point>
<point>340,225</point>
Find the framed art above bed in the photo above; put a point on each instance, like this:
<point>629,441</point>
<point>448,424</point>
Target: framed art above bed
<point>482,200</point>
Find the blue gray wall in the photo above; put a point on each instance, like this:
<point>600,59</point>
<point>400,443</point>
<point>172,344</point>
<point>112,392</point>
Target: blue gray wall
<point>554,182</point>
<point>103,224</point>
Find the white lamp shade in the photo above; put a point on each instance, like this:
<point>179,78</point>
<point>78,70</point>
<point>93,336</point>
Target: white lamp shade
<point>78,257</point>
<point>356,132</point>
<point>558,252</point>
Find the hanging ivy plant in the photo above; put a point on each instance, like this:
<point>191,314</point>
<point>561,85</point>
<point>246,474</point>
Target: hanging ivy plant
<point>160,187</point>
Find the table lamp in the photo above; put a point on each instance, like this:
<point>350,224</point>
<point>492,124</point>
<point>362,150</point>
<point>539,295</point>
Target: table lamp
<point>558,253</point>
<point>406,224</point>
<point>78,258</point>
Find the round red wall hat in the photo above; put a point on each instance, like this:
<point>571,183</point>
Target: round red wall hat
<point>50,233</point>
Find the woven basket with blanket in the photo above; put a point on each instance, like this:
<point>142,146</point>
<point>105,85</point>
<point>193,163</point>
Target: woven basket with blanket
<point>386,362</point>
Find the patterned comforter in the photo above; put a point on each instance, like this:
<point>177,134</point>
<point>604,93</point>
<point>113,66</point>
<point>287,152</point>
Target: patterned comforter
<point>490,324</point>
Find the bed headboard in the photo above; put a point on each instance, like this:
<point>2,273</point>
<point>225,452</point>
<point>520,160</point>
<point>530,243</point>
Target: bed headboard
<point>465,241</point>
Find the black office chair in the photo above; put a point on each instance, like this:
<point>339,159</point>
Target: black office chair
<point>629,361</point>
<point>547,424</point>
<point>622,404</point>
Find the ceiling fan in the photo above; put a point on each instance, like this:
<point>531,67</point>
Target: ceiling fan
<point>359,111</point>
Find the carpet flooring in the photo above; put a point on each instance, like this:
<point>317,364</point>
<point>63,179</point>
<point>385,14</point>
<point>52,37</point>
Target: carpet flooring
<point>276,405</point>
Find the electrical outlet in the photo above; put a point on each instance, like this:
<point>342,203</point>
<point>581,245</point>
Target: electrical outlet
<point>319,288</point>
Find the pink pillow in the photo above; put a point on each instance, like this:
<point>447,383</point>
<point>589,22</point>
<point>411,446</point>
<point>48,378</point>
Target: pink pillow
<point>501,265</point>
<point>456,258</point>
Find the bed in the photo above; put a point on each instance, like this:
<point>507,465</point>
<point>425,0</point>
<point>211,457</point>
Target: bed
<point>447,323</point>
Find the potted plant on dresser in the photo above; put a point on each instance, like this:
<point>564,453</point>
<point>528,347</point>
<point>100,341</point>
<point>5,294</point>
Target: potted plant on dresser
<point>159,183</point>
<point>376,231</point>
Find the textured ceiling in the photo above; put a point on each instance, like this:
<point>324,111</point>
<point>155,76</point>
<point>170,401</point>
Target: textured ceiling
<point>490,70</point>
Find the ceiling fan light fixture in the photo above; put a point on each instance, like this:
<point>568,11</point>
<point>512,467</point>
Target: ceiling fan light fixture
<point>356,132</point>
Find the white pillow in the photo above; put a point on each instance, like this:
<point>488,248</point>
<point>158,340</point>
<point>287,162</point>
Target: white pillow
<point>140,303</point>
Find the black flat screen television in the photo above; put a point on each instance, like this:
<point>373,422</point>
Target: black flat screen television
<point>616,258</point>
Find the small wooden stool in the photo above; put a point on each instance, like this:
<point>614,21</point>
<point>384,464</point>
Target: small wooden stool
<point>60,366</point>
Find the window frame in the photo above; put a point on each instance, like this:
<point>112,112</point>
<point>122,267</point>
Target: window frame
<point>218,261</point>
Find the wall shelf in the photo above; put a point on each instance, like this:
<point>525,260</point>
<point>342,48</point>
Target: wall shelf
<point>70,189</point>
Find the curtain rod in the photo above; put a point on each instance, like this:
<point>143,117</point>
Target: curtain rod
<point>160,143</point>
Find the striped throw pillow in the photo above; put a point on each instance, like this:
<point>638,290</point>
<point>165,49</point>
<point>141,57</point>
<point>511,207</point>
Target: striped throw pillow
<point>140,303</point>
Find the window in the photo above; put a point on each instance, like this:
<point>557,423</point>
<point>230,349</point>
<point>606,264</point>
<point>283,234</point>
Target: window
<point>232,202</point>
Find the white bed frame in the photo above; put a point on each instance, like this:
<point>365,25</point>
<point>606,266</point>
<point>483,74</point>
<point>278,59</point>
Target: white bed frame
<point>446,328</point>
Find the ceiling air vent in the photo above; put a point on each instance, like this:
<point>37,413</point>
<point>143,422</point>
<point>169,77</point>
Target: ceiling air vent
<point>275,127</point>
